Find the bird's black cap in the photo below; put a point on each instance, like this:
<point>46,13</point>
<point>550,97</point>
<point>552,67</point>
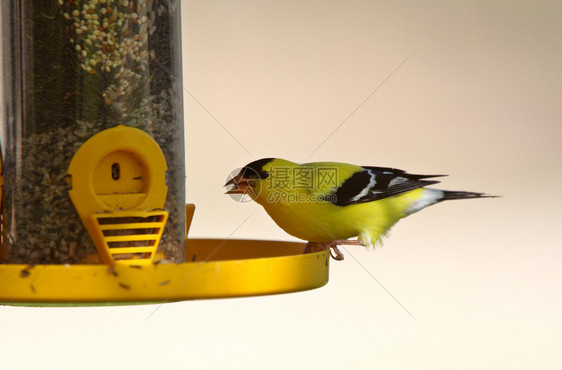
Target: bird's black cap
<point>255,169</point>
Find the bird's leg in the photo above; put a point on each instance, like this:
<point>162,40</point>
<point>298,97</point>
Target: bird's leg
<point>312,247</point>
<point>333,245</point>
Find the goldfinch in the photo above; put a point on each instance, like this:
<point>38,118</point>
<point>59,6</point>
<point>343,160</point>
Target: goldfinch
<point>326,203</point>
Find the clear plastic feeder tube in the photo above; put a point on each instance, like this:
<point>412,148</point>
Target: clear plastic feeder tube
<point>70,69</point>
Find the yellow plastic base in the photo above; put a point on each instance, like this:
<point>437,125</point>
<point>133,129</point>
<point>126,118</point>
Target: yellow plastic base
<point>219,269</point>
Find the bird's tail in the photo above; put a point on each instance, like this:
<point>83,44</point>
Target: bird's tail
<point>447,195</point>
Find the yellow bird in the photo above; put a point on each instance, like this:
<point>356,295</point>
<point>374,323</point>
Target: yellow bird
<point>326,203</point>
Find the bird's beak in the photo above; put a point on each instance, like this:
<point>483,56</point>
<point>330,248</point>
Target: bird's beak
<point>241,185</point>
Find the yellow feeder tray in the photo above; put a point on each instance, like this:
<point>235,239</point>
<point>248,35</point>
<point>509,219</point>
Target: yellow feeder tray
<point>219,268</point>
<point>118,187</point>
<point>287,271</point>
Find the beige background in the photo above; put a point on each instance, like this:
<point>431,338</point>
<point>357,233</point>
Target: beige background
<point>477,95</point>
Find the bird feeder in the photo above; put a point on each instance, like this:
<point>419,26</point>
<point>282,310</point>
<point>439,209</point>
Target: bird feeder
<point>92,173</point>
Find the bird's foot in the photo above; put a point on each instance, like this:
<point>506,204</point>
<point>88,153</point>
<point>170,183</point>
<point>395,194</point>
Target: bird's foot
<point>312,247</point>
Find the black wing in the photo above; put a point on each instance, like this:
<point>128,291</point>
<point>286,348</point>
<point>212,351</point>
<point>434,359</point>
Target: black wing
<point>375,183</point>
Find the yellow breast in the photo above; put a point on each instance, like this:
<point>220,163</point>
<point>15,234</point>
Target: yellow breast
<point>322,221</point>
